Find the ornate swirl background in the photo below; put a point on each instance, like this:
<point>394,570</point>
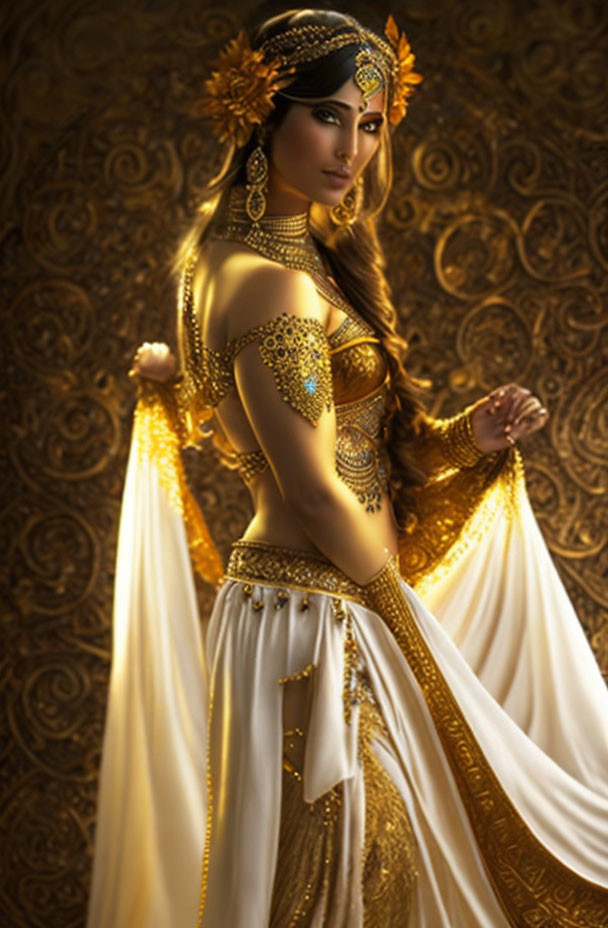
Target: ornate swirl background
<point>497,236</point>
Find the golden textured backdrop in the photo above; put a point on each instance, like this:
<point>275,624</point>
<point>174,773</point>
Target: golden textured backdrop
<point>497,233</point>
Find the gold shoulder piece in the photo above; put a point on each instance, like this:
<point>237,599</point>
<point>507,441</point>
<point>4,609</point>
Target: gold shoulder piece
<point>297,351</point>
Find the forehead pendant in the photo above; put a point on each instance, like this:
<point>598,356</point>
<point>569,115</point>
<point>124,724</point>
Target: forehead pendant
<point>367,76</point>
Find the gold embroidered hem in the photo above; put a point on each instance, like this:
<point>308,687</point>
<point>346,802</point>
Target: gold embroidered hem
<point>457,514</point>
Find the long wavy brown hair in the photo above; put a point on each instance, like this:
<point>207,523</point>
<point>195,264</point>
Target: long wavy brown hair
<point>353,253</point>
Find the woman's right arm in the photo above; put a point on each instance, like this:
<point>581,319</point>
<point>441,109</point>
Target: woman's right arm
<point>284,382</point>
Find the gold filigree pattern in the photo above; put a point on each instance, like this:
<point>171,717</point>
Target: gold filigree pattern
<point>311,837</point>
<point>389,856</point>
<point>309,850</point>
<point>455,509</point>
<point>296,351</point>
<point>360,455</point>
<point>293,347</point>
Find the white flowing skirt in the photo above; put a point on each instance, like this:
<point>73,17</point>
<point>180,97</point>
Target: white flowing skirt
<point>521,674</point>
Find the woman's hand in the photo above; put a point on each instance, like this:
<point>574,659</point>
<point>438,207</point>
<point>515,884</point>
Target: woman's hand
<point>155,361</point>
<point>506,415</point>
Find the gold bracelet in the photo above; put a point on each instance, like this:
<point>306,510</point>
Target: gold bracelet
<point>460,446</point>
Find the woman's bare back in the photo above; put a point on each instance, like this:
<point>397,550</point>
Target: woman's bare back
<point>232,282</point>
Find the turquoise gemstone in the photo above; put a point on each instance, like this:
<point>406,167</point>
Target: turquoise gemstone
<point>310,385</point>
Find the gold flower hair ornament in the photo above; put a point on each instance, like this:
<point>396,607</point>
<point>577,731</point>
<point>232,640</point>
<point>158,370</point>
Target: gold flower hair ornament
<point>404,77</point>
<point>240,90</point>
<point>238,95</point>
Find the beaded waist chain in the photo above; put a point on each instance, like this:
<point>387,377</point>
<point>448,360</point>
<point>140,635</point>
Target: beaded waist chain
<point>259,562</point>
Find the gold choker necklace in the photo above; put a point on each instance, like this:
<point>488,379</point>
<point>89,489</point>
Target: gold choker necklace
<point>284,239</point>
<point>294,227</point>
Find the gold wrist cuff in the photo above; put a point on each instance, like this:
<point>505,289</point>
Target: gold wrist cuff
<point>460,446</point>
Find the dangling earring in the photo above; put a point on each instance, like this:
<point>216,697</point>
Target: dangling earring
<point>347,210</point>
<point>257,181</point>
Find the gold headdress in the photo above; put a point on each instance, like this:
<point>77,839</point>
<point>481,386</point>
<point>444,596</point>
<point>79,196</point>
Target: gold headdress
<point>239,93</point>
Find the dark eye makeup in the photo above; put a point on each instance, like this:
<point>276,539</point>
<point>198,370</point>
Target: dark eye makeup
<point>323,114</point>
<point>326,115</point>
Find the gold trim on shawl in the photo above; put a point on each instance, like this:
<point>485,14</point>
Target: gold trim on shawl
<point>533,887</point>
<point>159,434</point>
<point>453,511</point>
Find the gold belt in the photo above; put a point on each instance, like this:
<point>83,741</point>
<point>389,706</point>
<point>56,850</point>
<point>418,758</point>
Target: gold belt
<point>259,562</point>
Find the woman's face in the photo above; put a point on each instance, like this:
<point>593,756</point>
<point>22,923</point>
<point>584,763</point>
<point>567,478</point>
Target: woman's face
<point>320,149</point>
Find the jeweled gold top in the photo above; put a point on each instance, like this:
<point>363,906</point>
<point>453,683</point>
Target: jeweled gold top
<point>346,369</point>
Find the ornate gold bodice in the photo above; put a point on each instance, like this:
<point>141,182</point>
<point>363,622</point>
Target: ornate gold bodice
<point>359,378</point>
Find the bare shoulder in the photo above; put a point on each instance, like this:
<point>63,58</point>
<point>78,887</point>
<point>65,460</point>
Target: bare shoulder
<point>251,289</point>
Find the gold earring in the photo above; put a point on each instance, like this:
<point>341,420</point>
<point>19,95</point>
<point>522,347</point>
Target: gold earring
<point>257,181</point>
<point>347,210</point>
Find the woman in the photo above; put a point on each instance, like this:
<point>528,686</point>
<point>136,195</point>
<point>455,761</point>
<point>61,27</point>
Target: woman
<point>358,770</point>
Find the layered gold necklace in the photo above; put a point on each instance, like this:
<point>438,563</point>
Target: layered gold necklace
<point>284,239</point>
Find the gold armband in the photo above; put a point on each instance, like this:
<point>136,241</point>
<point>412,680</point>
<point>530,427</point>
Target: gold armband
<point>458,440</point>
<point>297,352</point>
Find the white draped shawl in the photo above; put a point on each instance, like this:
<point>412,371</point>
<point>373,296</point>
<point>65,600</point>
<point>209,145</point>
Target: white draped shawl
<point>503,633</point>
